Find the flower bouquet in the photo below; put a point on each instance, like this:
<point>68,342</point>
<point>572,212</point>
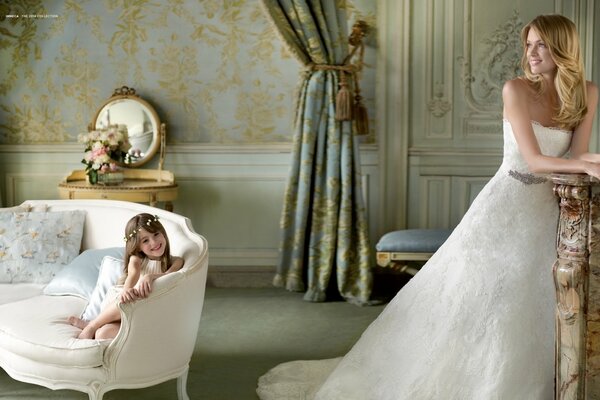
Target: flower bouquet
<point>104,148</point>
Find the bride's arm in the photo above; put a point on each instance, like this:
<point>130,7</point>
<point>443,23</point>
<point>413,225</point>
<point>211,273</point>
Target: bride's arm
<point>581,135</point>
<point>516,111</point>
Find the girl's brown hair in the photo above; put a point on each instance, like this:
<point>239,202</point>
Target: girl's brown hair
<point>560,35</point>
<point>151,225</point>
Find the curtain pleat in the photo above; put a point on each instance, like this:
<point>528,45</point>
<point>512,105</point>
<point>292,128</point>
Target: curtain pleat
<point>324,229</point>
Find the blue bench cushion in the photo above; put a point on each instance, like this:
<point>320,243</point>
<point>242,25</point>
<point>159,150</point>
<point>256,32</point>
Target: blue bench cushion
<point>413,240</point>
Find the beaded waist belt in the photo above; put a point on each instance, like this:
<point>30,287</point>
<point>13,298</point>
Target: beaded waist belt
<point>526,178</point>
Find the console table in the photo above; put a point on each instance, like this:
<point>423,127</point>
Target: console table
<point>577,282</point>
<point>150,186</point>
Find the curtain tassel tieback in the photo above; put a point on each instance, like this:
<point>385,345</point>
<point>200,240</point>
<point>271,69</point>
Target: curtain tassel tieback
<point>345,108</point>
<point>343,102</point>
<point>361,116</point>
<point>343,99</point>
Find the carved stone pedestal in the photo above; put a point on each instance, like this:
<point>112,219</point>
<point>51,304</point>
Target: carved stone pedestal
<point>577,281</point>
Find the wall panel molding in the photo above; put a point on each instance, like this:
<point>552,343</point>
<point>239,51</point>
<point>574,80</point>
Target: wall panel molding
<point>467,188</point>
<point>439,64</point>
<point>393,111</point>
<point>30,186</point>
<point>443,183</point>
<point>232,194</point>
<point>435,209</point>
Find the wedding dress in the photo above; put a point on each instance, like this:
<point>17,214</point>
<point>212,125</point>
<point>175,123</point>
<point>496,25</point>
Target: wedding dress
<point>477,321</point>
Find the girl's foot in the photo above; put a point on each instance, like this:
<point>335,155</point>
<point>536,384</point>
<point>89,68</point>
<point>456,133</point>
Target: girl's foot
<point>77,322</point>
<point>88,332</point>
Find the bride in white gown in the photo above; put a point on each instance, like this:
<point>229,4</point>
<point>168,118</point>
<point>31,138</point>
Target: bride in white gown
<point>477,322</point>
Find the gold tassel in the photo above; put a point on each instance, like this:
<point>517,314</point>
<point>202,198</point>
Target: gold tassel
<point>361,116</point>
<point>343,103</point>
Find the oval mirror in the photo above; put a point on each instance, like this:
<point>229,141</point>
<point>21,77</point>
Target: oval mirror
<point>143,125</point>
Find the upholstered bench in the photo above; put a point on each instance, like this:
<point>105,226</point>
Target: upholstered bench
<point>395,249</point>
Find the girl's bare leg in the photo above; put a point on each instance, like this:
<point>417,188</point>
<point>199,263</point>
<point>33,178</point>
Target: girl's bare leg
<point>110,314</point>
<point>77,322</point>
<point>108,331</point>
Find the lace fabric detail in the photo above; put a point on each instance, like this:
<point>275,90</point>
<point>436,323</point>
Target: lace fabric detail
<point>526,177</point>
<point>476,322</point>
<point>539,124</point>
<point>554,128</point>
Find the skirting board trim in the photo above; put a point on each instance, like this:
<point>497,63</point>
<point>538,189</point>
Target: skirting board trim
<point>242,277</point>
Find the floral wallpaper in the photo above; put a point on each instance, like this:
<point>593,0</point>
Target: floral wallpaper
<point>215,70</point>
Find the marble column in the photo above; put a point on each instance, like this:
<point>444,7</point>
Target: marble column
<point>577,282</point>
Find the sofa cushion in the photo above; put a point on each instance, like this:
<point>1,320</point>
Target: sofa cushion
<point>34,246</point>
<point>10,292</point>
<point>80,276</point>
<point>37,328</point>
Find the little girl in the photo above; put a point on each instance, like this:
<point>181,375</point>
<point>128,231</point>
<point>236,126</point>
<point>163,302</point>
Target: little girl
<point>147,257</point>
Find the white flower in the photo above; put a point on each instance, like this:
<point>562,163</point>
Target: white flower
<point>104,146</point>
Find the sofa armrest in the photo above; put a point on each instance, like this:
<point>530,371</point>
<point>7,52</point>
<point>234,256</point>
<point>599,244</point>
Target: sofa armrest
<point>158,333</point>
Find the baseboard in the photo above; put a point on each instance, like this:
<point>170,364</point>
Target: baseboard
<point>240,277</point>
<point>386,279</point>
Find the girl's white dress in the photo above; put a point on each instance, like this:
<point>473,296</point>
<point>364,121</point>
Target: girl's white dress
<point>148,267</point>
<point>476,323</point>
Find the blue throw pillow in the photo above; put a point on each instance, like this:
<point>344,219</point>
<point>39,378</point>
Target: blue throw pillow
<point>80,276</point>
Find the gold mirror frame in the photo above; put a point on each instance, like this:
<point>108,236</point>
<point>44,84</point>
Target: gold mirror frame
<point>127,96</point>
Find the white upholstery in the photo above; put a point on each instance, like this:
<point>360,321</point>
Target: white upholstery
<point>19,291</point>
<point>157,335</point>
<point>36,328</point>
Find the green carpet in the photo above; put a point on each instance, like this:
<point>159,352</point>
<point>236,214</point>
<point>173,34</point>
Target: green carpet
<point>243,333</point>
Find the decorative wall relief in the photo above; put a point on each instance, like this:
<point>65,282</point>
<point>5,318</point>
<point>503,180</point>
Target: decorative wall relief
<point>498,62</point>
<point>439,106</point>
<point>439,53</point>
<point>483,76</point>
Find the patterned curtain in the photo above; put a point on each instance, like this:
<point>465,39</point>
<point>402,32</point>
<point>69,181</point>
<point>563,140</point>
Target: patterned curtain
<point>325,246</point>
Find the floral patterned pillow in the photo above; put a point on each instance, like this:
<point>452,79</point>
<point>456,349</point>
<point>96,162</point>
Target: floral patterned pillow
<point>34,246</point>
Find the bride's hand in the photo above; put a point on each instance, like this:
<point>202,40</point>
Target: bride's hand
<point>592,169</point>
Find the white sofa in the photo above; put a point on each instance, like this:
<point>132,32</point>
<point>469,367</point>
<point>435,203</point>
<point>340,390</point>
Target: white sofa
<point>157,335</point>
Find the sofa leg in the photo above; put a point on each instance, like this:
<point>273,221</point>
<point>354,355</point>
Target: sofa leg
<point>96,395</point>
<point>182,386</point>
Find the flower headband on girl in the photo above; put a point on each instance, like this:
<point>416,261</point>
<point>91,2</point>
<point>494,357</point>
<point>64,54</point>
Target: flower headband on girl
<point>135,231</point>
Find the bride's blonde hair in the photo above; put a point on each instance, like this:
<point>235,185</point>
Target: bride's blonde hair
<point>560,36</point>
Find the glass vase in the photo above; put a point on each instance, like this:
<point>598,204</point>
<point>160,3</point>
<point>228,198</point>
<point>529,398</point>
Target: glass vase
<point>110,178</point>
<point>92,176</point>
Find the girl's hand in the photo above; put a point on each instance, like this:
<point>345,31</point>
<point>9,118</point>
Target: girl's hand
<point>145,285</point>
<point>129,295</point>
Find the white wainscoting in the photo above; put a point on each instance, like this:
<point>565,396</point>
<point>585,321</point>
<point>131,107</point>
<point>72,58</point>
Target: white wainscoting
<point>232,194</point>
<point>443,184</point>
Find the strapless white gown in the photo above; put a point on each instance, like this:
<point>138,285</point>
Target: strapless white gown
<point>476,323</point>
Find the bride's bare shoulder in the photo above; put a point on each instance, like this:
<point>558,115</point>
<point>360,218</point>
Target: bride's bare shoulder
<point>517,86</point>
<point>592,89</point>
